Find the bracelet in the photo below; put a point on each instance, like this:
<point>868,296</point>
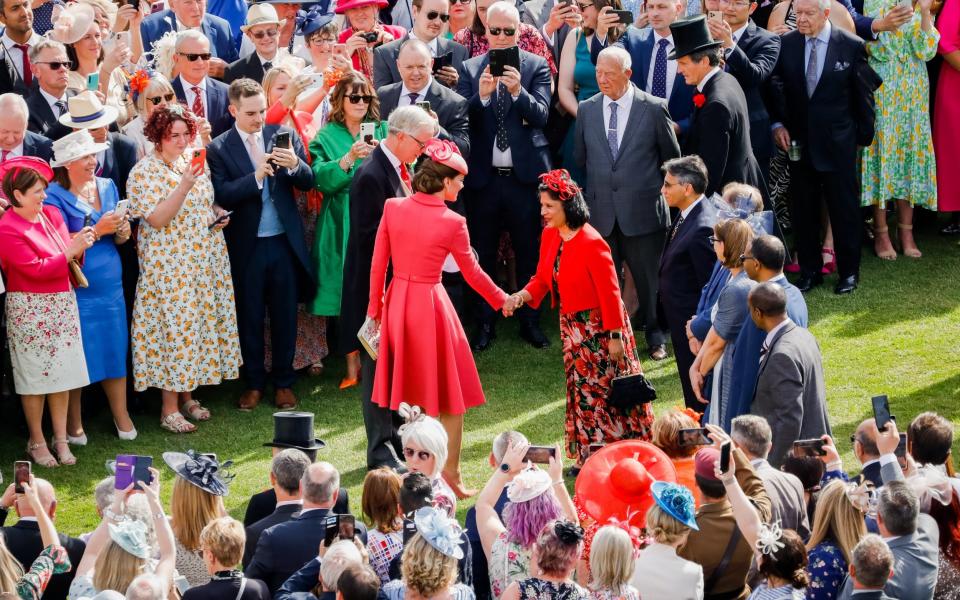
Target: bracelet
<point>558,482</point>
<point>108,513</point>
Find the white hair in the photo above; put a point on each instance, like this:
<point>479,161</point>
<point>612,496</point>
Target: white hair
<point>823,5</point>
<point>504,8</point>
<point>430,435</point>
<point>411,120</point>
<point>615,53</point>
<point>146,587</point>
<point>15,102</point>
<point>190,34</point>
<point>339,556</point>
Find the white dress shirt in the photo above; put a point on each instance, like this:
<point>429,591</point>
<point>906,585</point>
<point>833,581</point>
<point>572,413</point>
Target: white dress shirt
<point>15,54</point>
<point>706,78</point>
<point>189,95</point>
<point>392,158</point>
<point>686,212</point>
<point>624,104</point>
<point>405,94</point>
<point>433,44</point>
<point>52,101</point>
<point>773,332</point>
<point>17,151</point>
<point>671,64</point>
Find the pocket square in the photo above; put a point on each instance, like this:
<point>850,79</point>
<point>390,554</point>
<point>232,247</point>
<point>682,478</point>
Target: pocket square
<point>841,66</point>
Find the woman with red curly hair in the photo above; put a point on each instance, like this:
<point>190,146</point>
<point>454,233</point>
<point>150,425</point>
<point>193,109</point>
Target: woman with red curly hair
<point>184,330</point>
<point>576,265</point>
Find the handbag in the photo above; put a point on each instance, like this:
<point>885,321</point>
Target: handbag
<point>77,278</point>
<point>630,391</point>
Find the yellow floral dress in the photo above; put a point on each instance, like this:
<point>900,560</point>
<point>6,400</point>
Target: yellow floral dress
<point>184,320</point>
<point>900,163</point>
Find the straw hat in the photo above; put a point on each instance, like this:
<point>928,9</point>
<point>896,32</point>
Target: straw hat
<point>73,23</point>
<point>85,111</point>
<point>262,14</point>
<point>73,146</point>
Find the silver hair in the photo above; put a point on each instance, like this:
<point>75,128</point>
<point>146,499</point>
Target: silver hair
<point>823,5</point>
<point>42,45</point>
<point>146,587</point>
<point>11,101</point>
<point>411,120</point>
<point>504,440</point>
<point>288,467</point>
<point>339,556</point>
<point>621,56</point>
<point>189,34</point>
<point>503,8</point>
<point>320,491</point>
<point>103,493</point>
<point>413,44</point>
<point>753,434</point>
<point>430,435</point>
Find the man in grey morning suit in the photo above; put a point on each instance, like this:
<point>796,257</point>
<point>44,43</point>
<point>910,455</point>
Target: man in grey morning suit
<point>623,135</point>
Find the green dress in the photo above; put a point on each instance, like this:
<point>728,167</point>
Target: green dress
<point>333,222</point>
<point>900,163</point>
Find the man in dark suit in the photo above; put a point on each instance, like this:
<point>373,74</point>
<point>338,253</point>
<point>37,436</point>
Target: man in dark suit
<point>263,29</point>
<point>790,393</point>
<point>286,547</point>
<point>654,70</point>
<point>286,471</point>
<point>15,139</point>
<point>429,17</point>
<point>416,85</point>
<point>823,103</point>
<point>866,451</point>
<point>507,155</point>
<point>255,178</point>
<point>23,539</point>
<point>871,566</point>
<point>188,14</point>
<point>750,54</point>
<point>204,96</point>
<point>687,259</point>
<point>48,99</point>
<point>382,175</point>
<point>627,134</point>
<point>16,69</point>
<point>720,126</point>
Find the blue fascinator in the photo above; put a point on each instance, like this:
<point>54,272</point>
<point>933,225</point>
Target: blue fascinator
<point>131,535</point>
<point>677,501</point>
<point>440,531</point>
<point>743,208</point>
<point>309,21</point>
<point>201,470</point>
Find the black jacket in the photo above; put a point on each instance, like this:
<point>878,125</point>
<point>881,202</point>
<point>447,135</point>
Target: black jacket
<point>217,114</point>
<point>686,265</point>
<point>249,67</point>
<point>450,108</point>
<point>37,145</point>
<point>281,514</point>
<point>386,71</point>
<point>42,120</point>
<point>751,61</point>
<point>119,160</point>
<point>24,542</point>
<point>262,504</point>
<point>10,79</point>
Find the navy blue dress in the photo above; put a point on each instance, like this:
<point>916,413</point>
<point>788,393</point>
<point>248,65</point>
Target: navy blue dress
<point>103,316</point>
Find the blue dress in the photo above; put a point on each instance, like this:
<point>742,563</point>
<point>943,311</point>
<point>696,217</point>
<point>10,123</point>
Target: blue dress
<point>103,316</point>
<point>827,569</point>
<point>731,313</point>
<point>585,82</point>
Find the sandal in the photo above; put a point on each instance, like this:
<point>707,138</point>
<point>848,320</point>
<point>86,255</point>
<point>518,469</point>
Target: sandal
<point>44,461</point>
<point>315,370</point>
<point>892,254</point>
<point>176,423</point>
<point>908,252</point>
<point>829,266</point>
<point>65,457</point>
<point>196,412</point>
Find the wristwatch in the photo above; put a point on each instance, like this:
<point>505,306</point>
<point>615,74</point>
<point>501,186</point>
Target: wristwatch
<point>616,335</point>
<point>505,467</point>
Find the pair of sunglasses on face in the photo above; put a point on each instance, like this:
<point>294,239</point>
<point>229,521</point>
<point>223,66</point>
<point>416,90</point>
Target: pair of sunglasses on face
<point>508,31</point>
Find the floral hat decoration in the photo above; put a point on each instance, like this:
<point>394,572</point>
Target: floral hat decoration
<point>440,531</point>
<point>446,153</point>
<point>139,82</point>
<point>202,470</point>
<point>131,535</point>
<point>677,501</point>
<point>528,484</point>
<point>768,540</point>
<point>559,182</point>
<point>411,415</point>
<point>312,20</point>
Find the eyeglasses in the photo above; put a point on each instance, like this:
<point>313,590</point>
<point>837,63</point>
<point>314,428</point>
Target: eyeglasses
<point>158,99</point>
<point>507,31</point>
<point>358,98</point>
<point>713,239</point>
<point>422,145</point>
<point>272,33</point>
<point>193,57</point>
<point>56,65</point>
<point>736,3</point>
<point>669,184</point>
<point>744,257</point>
<point>322,41</point>
<point>452,2</point>
<point>421,454</point>
<point>433,14</point>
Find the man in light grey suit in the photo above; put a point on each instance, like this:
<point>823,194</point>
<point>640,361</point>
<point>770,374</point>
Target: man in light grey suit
<point>623,135</point>
<point>871,566</point>
<point>790,392</point>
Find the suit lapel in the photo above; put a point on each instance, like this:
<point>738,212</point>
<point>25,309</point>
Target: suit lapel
<point>829,58</point>
<point>239,154</point>
<point>786,328</point>
<point>646,47</point>
<point>637,110</point>
<point>392,176</point>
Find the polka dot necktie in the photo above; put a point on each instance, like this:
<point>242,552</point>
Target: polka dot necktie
<point>501,113</point>
<point>659,88</point>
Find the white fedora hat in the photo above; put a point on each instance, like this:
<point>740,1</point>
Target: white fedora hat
<point>73,146</point>
<point>73,23</point>
<point>262,14</point>
<point>85,111</point>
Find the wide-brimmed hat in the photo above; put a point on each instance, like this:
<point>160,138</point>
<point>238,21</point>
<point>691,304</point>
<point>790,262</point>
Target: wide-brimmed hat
<point>294,430</point>
<point>131,535</point>
<point>315,18</point>
<point>677,501</point>
<point>73,146</point>
<point>73,23</point>
<point>528,484</point>
<point>201,470</point>
<point>85,111</point>
<point>689,36</point>
<point>616,481</point>
<point>343,7</point>
<point>262,13</point>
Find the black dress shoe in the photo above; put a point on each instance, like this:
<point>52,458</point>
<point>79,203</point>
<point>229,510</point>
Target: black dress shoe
<point>483,337</point>
<point>532,334</point>
<point>847,284</point>
<point>808,282</point>
<point>658,352</point>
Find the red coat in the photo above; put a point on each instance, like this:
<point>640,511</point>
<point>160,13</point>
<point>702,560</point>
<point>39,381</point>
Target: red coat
<point>425,358</point>
<point>587,278</point>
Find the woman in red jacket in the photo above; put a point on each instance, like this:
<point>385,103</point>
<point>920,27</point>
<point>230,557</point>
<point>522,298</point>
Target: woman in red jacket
<point>576,265</point>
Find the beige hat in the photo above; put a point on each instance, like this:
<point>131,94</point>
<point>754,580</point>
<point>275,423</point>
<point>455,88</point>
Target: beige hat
<point>73,23</point>
<point>262,14</point>
<point>85,111</point>
<point>73,146</point>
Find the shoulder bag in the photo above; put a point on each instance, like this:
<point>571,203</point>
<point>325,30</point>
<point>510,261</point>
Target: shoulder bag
<point>77,278</point>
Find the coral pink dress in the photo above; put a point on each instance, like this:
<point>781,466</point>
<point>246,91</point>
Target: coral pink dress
<point>946,112</point>
<point>425,358</point>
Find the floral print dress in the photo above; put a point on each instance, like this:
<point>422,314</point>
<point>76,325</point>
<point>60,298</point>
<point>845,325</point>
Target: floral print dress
<point>540,589</point>
<point>827,569</point>
<point>900,163</point>
<point>509,562</point>
<point>184,330</point>
<point>52,561</point>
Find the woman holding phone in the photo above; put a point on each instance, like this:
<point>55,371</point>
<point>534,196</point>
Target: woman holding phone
<point>84,199</point>
<point>365,32</point>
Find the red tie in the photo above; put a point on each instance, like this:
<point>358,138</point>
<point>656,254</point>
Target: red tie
<point>405,176</point>
<point>3,158</point>
<point>198,103</point>
<point>27,71</point>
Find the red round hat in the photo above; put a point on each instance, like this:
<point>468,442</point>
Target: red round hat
<point>342,7</point>
<point>615,481</point>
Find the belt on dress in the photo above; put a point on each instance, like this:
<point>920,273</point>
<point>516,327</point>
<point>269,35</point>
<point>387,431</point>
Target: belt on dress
<point>416,278</point>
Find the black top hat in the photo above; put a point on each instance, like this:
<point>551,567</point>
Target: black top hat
<point>689,36</point>
<point>294,430</point>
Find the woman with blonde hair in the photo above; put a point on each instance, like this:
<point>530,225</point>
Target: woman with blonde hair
<point>838,526</point>
<point>149,90</point>
<point>611,565</point>
<point>666,436</point>
<point>669,522</point>
<point>380,504</point>
<point>429,568</point>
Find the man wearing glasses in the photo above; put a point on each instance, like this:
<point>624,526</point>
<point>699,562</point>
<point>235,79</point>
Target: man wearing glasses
<point>204,96</point>
<point>185,15</point>
<point>48,102</point>
<point>429,20</point>
<point>508,152</point>
<point>263,29</point>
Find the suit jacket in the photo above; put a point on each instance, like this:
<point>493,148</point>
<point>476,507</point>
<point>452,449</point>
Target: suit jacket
<point>37,145</point>
<point>298,585</point>
<point>639,43</point>
<point>24,542</point>
<point>262,504</point>
<point>10,79</point>
<point>282,514</point>
<point>284,549</point>
<point>119,160</point>
<point>41,119</point>
<point>751,62</point>
<point>222,43</point>
<point>217,114</point>
<point>249,66</point>
<point>786,498</point>
<point>840,116</point>
<point>720,134</point>
<point>790,393</point>
<point>524,122</point>
<point>685,265</point>
<point>386,71</point>
<point>235,189</point>
<point>871,473</point>
<point>450,108</point>
<point>629,193</point>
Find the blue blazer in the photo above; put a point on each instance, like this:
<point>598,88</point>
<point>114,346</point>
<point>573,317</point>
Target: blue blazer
<point>222,43</point>
<point>685,266</point>
<point>220,118</point>
<point>639,43</point>
<point>525,120</point>
<point>702,321</point>
<point>37,145</point>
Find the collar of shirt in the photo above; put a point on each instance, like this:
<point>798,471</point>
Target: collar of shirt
<point>706,78</point>
<point>607,100</point>
<point>16,151</point>
<point>9,43</point>
<point>778,278</point>
<point>757,463</point>
<point>870,591</point>
<point>264,60</point>
<point>739,33</point>
<point>189,86</point>
<point>182,27</point>
<point>869,462</point>
<point>51,100</point>
<point>892,538</point>
<point>824,35</point>
<point>433,44</point>
<point>686,212</point>
<point>311,509</point>
<point>390,156</point>
<point>405,91</point>
<point>244,136</point>
<point>289,502</point>
<point>657,37</point>
<point>773,332</point>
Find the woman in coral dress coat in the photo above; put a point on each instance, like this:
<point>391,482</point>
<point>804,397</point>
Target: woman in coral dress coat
<point>425,357</point>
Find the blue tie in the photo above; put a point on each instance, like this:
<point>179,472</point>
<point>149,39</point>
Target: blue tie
<point>612,131</point>
<point>659,88</point>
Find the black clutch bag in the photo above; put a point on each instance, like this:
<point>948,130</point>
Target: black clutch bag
<point>630,391</point>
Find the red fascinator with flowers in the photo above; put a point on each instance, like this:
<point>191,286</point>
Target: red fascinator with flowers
<point>446,153</point>
<point>559,182</point>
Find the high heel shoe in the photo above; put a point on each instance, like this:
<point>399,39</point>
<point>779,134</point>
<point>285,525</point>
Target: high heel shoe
<point>349,382</point>
<point>831,265</point>
<point>456,484</point>
<point>48,461</point>
<point>80,440</point>
<point>66,457</point>
<point>125,435</point>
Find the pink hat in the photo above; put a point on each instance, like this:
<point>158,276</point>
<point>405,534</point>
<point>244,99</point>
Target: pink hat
<point>345,6</point>
<point>705,461</point>
<point>446,153</point>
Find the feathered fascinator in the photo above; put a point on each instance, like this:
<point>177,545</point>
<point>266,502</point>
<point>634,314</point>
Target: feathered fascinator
<point>569,533</point>
<point>559,182</point>
<point>528,484</point>
<point>862,497</point>
<point>743,208</point>
<point>440,531</point>
<point>139,82</point>
<point>677,501</point>
<point>201,470</point>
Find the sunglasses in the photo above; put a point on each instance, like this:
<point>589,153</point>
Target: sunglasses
<point>713,239</point>
<point>193,57</point>
<point>452,2</point>
<point>358,98</point>
<point>508,31</point>
<point>56,65</point>
<point>158,99</point>
<point>272,33</point>
<point>421,454</point>
<point>433,15</point>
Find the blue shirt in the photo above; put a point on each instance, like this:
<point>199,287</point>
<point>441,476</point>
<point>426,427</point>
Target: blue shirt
<point>823,39</point>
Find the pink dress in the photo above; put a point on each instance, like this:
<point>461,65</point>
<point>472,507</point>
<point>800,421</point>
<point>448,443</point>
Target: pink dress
<point>425,358</point>
<point>946,112</point>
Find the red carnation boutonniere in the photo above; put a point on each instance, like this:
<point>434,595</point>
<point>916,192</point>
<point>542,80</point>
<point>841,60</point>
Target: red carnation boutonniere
<point>699,100</point>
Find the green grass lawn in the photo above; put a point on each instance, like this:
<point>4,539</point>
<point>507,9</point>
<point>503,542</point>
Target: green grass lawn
<point>896,335</point>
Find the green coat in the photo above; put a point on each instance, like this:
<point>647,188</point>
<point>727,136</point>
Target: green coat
<point>333,223</point>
